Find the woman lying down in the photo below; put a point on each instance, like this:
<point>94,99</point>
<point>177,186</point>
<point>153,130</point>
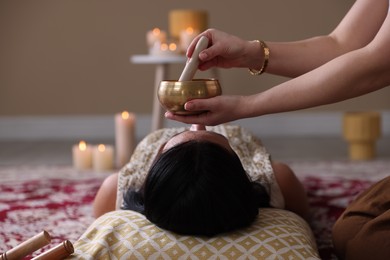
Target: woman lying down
<point>201,182</point>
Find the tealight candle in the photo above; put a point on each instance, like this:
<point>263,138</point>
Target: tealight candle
<point>124,137</point>
<point>155,36</point>
<point>82,156</point>
<point>186,37</point>
<point>103,156</point>
<point>165,49</point>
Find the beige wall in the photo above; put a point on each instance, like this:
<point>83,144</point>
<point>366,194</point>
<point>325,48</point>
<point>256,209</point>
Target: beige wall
<point>71,57</point>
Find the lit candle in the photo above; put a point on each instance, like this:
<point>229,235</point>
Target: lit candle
<point>124,137</point>
<point>82,156</point>
<point>155,36</point>
<point>165,49</point>
<point>181,19</point>
<point>186,37</point>
<point>103,156</point>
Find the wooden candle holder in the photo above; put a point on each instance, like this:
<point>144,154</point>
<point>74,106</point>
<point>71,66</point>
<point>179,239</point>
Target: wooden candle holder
<point>361,130</point>
<point>181,19</point>
<point>27,247</point>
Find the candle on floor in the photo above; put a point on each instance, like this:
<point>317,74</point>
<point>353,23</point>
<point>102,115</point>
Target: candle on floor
<point>186,37</point>
<point>124,137</point>
<point>82,156</point>
<point>103,157</point>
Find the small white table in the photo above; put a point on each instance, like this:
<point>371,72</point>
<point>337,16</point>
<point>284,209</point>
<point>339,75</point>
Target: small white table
<point>162,68</point>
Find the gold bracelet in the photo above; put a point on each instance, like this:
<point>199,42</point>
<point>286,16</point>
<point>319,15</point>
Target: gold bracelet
<point>266,58</point>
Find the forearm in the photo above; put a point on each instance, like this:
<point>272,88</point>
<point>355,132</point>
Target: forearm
<point>292,59</point>
<point>337,80</point>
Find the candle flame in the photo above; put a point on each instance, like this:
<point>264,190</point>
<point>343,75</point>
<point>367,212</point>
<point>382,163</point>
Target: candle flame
<point>164,47</point>
<point>156,31</point>
<point>125,115</point>
<point>82,145</point>
<point>190,30</point>
<point>101,147</point>
<point>172,47</point>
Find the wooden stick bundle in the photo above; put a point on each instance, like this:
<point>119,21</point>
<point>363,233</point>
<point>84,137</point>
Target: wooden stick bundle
<point>27,247</point>
<point>38,241</point>
<point>58,252</point>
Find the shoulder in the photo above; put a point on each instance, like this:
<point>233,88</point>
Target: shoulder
<point>292,190</point>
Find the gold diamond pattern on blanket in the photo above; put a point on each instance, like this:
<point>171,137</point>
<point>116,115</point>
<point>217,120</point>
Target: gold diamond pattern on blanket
<point>126,234</point>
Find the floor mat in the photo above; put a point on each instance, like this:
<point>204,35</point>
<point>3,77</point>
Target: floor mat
<point>59,199</point>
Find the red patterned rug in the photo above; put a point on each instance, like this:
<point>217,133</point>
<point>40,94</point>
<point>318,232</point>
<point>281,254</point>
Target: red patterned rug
<point>58,199</point>
<point>55,199</point>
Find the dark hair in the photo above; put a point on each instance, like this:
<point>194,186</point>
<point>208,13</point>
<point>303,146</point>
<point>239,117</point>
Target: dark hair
<point>198,188</point>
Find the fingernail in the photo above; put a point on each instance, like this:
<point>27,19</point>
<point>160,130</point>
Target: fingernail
<point>187,106</point>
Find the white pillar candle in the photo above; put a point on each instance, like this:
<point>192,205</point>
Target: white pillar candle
<point>82,156</point>
<point>155,36</point>
<point>103,157</point>
<point>186,37</point>
<point>124,137</point>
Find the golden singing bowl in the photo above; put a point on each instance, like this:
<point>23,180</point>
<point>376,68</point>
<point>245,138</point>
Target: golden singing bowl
<point>174,94</point>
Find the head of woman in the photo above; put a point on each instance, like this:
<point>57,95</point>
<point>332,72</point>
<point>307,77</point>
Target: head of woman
<point>198,186</point>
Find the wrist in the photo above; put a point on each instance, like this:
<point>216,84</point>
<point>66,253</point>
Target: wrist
<point>245,109</point>
<point>253,107</point>
<point>260,58</point>
<point>256,59</point>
